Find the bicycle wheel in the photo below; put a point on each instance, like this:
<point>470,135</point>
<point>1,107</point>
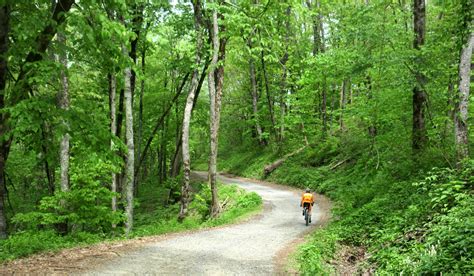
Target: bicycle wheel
<point>306,217</point>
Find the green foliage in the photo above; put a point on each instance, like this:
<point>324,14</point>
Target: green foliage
<point>152,218</point>
<point>239,204</point>
<point>25,243</point>
<point>86,205</point>
<point>409,223</point>
<point>314,255</point>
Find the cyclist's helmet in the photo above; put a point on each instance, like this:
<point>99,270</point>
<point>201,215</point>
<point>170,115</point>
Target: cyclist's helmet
<point>308,190</point>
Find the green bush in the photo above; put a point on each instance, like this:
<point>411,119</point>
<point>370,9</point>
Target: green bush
<point>86,205</point>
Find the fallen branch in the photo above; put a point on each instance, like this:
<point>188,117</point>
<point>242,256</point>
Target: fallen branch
<point>273,166</point>
<point>332,167</point>
<point>224,203</point>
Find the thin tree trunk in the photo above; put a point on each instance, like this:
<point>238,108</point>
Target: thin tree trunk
<point>185,196</point>
<point>113,130</point>
<point>283,91</point>
<point>322,49</point>
<point>158,124</point>
<point>164,150</point>
<point>253,87</point>
<point>140,117</point>
<point>63,102</point>
<point>460,120</point>
<point>5,143</point>
<point>342,102</point>
<point>419,138</point>
<point>47,168</point>
<point>177,158</point>
<point>130,160</point>
<point>214,117</point>
<point>267,92</point>
<point>136,26</point>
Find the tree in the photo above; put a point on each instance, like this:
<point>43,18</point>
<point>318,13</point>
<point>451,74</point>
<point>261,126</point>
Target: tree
<point>4,29</point>
<point>461,117</point>
<point>419,138</point>
<point>185,197</point>
<point>21,86</point>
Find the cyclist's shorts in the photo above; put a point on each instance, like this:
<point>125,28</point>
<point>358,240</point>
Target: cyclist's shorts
<point>307,204</point>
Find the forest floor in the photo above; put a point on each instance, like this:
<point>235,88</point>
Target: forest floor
<point>260,245</point>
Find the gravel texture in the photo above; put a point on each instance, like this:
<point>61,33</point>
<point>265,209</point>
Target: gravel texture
<point>248,248</point>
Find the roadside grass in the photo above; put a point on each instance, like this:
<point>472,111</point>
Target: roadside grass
<point>410,219</point>
<point>152,217</point>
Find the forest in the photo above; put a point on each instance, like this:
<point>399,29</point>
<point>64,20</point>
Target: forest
<point>108,106</point>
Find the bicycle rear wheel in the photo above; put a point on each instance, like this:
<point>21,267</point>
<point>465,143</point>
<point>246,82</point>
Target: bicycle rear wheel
<point>306,217</point>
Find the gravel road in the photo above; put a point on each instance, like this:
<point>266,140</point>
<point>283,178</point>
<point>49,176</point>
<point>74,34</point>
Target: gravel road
<point>248,248</point>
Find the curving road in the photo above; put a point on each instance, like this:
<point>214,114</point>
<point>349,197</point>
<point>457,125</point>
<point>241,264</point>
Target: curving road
<point>249,248</point>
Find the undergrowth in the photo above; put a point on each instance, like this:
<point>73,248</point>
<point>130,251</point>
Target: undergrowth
<point>413,217</point>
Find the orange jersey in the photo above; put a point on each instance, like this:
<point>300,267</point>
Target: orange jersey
<point>307,197</point>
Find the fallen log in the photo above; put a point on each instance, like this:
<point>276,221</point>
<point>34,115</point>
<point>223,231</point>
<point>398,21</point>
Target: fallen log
<point>273,166</point>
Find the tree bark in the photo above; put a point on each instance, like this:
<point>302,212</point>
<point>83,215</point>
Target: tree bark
<point>268,169</point>
<point>130,160</point>
<point>4,149</point>
<point>284,74</point>
<point>419,138</point>
<point>140,116</point>
<point>460,120</point>
<point>113,130</point>
<point>136,26</point>
<point>178,155</point>
<point>63,102</point>
<point>214,100</point>
<point>185,196</point>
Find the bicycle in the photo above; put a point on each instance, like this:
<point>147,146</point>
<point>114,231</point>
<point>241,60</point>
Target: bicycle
<point>307,216</point>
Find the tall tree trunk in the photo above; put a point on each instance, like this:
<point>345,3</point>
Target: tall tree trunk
<point>63,102</point>
<point>185,196</point>
<point>140,118</point>
<point>253,88</point>
<point>342,101</point>
<point>267,92</point>
<point>322,48</point>
<point>4,149</point>
<point>164,150</point>
<point>215,100</point>
<point>113,130</point>
<point>419,138</point>
<point>118,132</point>
<point>48,169</point>
<point>460,120</point>
<point>178,154</point>
<point>130,160</point>
<point>283,62</point>
<point>136,26</point>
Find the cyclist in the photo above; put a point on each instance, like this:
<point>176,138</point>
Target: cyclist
<point>307,200</point>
